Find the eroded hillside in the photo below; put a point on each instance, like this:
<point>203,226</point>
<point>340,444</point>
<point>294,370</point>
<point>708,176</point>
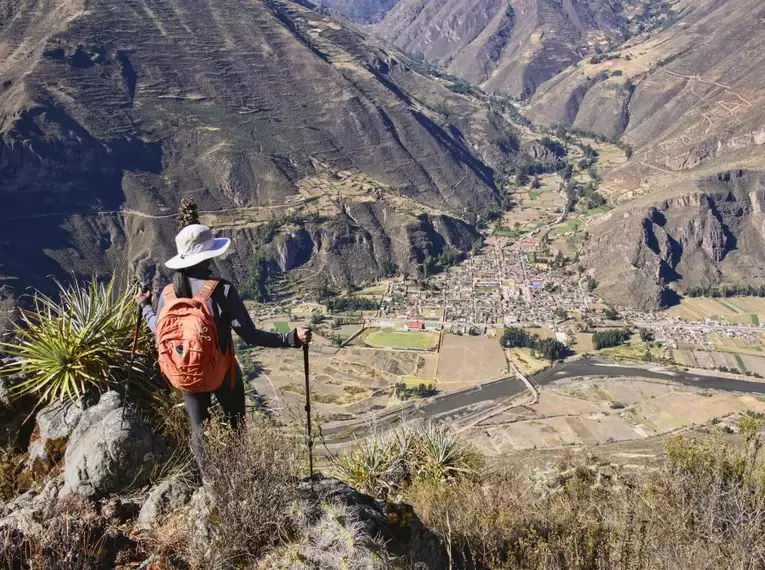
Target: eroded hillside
<point>649,252</point>
<point>689,103</point>
<point>685,97</point>
<point>260,111</point>
<point>509,46</point>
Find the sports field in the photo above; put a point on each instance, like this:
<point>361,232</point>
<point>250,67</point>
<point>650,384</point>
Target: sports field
<point>282,327</point>
<point>395,339</point>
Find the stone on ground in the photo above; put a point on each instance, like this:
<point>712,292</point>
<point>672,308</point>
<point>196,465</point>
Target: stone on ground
<point>163,499</point>
<point>55,423</point>
<point>108,453</point>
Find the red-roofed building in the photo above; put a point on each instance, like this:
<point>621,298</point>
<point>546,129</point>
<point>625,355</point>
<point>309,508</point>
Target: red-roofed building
<point>414,326</point>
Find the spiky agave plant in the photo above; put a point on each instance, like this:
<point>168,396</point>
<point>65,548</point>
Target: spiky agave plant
<point>68,347</point>
<point>366,465</point>
<point>445,455</point>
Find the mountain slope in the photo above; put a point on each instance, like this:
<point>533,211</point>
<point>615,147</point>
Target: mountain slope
<point>509,46</point>
<point>644,254</point>
<point>366,12</point>
<point>674,96</point>
<point>690,102</point>
<point>110,112</point>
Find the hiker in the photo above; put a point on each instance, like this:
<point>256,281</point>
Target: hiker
<point>196,303</point>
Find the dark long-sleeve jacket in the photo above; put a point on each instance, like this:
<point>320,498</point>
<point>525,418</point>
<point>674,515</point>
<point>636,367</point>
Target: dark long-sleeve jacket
<point>230,313</point>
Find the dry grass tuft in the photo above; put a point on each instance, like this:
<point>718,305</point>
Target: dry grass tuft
<point>12,465</point>
<point>250,498</point>
<point>252,477</point>
<point>72,535</point>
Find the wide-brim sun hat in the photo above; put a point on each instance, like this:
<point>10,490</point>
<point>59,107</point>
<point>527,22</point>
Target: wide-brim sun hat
<point>196,243</point>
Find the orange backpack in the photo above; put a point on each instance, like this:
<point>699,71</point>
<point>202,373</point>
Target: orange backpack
<point>187,341</point>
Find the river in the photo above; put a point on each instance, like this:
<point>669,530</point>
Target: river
<point>468,401</point>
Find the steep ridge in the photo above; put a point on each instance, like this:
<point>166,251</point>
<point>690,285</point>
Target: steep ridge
<point>111,112</point>
<point>690,102</point>
<point>646,254</point>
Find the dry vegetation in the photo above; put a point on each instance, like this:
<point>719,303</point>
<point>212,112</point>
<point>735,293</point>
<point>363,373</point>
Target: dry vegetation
<point>705,509</point>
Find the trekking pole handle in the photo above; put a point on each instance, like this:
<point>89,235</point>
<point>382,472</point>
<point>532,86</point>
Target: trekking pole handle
<point>137,329</point>
<point>145,288</point>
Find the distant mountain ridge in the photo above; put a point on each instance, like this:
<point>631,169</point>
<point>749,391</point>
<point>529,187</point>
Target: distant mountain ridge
<point>507,46</point>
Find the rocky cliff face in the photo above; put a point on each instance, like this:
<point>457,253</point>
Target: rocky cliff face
<point>110,114</point>
<point>370,240</point>
<point>644,256</point>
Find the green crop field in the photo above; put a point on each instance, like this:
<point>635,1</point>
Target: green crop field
<point>415,381</point>
<point>740,362</point>
<point>756,320</point>
<point>282,327</point>
<point>410,339</point>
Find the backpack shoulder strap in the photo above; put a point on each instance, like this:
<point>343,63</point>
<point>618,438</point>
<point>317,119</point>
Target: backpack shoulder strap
<point>168,293</point>
<point>206,290</point>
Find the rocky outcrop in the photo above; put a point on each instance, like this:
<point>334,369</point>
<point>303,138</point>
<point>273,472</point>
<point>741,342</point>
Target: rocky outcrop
<point>401,531</point>
<point>371,240</point>
<point>109,451</point>
<point>644,257</point>
<point>162,500</point>
<point>542,153</point>
<point>55,423</point>
<point>338,528</point>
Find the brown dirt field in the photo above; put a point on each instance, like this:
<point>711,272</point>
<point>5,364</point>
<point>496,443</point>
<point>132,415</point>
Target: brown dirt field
<point>754,364</point>
<point>469,359</point>
<point>543,332</point>
<point>427,365</point>
<point>583,342</point>
<point>580,413</point>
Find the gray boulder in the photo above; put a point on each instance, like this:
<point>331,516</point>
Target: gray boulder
<point>23,521</point>
<point>163,499</point>
<point>108,453</point>
<point>55,423</point>
<point>201,509</point>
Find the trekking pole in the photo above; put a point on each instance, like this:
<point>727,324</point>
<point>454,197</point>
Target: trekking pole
<point>133,350</point>
<point>308,410</point>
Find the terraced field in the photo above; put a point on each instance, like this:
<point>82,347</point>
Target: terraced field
<point>738,310</point>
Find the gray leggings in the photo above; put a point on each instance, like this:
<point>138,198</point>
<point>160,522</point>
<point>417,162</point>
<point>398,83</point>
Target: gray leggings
<point>198,406</point>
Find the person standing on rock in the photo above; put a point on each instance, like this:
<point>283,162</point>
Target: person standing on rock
<point>192,324</point>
